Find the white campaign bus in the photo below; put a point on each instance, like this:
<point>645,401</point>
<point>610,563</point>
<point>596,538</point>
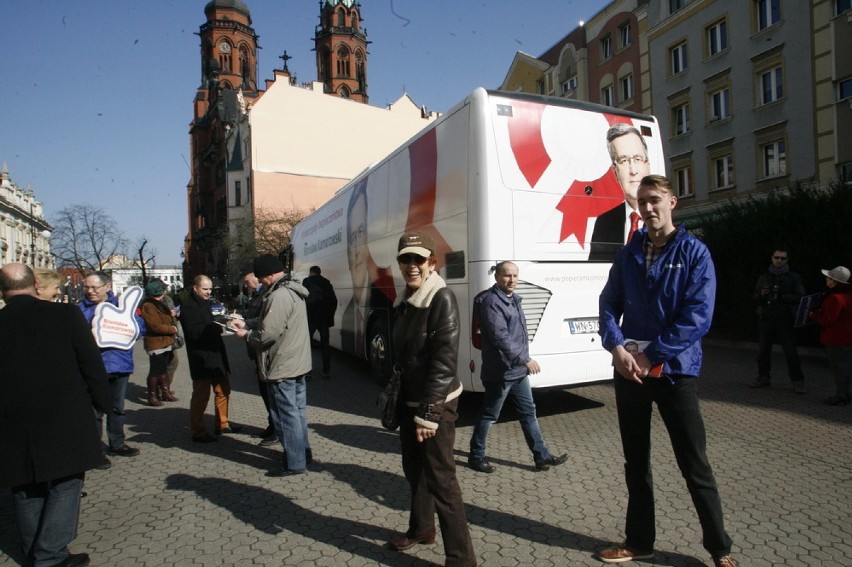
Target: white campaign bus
<point>500,176</point>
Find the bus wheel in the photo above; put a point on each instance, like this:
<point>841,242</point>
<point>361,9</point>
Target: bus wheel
<point>380,361</point>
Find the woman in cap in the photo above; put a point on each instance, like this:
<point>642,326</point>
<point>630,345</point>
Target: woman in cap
<point>835,317</point>
<point>159,342</point>
<point>425,352</point>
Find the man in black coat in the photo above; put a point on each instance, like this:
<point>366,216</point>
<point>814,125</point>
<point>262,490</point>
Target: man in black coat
<point>321,305</point>
<point>53,375</point>
<point>208,361</point>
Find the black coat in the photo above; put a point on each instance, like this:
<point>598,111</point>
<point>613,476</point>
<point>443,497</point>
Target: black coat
<point>322,301</point>
<point>608,234</point>
<point>52,374</point>
<point>205,349</point>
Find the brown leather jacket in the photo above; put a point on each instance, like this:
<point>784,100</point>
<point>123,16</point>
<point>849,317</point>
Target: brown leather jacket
<point>159,323</point>
<point>425,349</point>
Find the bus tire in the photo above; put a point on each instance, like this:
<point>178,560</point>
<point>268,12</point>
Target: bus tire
<point>379,351</point>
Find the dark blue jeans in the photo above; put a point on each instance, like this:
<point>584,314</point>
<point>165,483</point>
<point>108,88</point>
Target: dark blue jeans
<point>46,515</point>
<point>772,331</point>
<point>324,344</point>
<point>288,400</point>
<point>677,402</point>
<point>116,417</point>
<point>495,396</point>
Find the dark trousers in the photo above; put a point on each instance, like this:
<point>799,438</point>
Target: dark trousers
<point>772,331</point>
<point>115,418</point>
<point>677,402</point>
<point>430,469</point>
<point>46,514</point>
<point>313,326</point>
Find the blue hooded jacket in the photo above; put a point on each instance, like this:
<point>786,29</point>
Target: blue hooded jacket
<point>117,361</point>
<point>670,304</point>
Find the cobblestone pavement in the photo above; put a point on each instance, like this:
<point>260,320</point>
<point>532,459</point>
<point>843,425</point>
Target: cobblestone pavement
<point>783,463</point>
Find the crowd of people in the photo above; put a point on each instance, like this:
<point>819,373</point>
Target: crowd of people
<point>655,308</point>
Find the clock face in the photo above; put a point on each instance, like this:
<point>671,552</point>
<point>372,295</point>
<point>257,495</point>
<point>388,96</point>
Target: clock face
<point>225,47</point>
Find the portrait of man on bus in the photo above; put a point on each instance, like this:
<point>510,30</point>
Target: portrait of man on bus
<point>629,154</point>
<point>368,287</point>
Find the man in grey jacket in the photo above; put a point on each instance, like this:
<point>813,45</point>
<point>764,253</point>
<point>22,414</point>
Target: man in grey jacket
<point>280,338</point>
<point>506,366</point>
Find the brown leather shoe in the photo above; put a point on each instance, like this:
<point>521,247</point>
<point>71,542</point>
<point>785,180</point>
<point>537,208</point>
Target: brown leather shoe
<point>726,561</point>
<point>407,542</point>
<point>622,554</point>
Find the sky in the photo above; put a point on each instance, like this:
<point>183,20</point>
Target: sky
<point>96,96</point>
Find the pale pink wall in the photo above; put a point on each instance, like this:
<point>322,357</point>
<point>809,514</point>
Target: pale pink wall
<point>288,191</point>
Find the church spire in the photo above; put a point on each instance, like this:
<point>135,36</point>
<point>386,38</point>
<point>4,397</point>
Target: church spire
<point>341,43</point>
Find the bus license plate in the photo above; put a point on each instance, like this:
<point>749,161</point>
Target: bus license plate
<point>583,326</point>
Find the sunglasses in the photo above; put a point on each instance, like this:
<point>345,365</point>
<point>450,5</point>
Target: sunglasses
<point>779,257</point>
<point>411,259</point>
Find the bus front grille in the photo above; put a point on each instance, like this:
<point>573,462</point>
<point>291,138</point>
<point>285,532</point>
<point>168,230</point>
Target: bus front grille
<point>534,304</point>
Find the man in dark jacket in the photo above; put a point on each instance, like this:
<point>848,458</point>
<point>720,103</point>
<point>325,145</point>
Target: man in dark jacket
<point>53,375</point>
<point>506,366</point>
<point>208,361</point>
<point>777,294</point>
<point>321,304</point>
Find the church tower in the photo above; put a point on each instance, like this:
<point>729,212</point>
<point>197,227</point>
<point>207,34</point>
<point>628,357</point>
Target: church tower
<point>229,45</point>
<point>341,46</point>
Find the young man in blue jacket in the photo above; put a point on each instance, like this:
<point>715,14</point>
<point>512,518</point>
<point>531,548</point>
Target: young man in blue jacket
<point>655,308</point>
<point>119,366</point>
<point>506,366</point>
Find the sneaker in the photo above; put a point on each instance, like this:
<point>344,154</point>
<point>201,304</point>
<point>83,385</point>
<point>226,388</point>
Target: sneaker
<point>760,382</point>
<point>481,465</point>
<point>622,554</point>
<point>268,441</point>
<point>799,387</point>
<point>124,451</point>
<point>551,461</point>
<point>726,561</point>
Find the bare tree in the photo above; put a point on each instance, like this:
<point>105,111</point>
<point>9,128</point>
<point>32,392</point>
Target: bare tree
<point>144,258</point>
<point>272,228</point>
<point>85,237</point>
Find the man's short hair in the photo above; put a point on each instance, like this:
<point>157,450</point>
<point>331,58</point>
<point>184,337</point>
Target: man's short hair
<point>315,270</point>
<point>103,277</point>
<point>498,269</point>
<point>619,130</point>
<point>16,278</point>
<point>197,280</point>
<point>660,182</point>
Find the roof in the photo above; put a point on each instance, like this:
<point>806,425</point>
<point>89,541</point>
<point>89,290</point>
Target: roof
<point>235,4</point>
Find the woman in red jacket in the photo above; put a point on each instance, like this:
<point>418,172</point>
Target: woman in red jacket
<point>835,317</point>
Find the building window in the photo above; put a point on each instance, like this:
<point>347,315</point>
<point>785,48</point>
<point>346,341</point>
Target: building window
<point>569,85</point>
<point>675,5</point>
<point>678,58</point>
<point>606,47</point>
<point>771,85</point>
<point>624,36</point>
<point>539,86</point>
<point>606,96</point>
<point>724,168</point>
<point>343,62</point>
<point>774,158</point>
<point>768,13</point>
<point>238,193</point>
<point>683,181</point>
<point>680,119</point>
<point>844,89</point>
<point>341,18</point>
<point>720,104</point>
<point>717,38</point>
<point>627,87</point>
<point>841,6</point>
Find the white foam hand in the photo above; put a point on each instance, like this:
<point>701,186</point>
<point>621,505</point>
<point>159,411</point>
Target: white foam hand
<point>117,327</point>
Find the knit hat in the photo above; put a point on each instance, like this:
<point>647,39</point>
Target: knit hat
<point>838,274</point>
<point>419,243</point>
<point>266,265</point>
<point>155,288</point>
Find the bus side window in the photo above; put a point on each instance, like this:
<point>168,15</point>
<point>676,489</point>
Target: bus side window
<point>455,265</point>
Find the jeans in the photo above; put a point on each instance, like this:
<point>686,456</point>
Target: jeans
<point>677,403</point>
<point>840,360</point>
<point>430,469</point>
<point>495,395</point>
<point>772,330</point>
<point>324,344</point>
<point>288,400</point>
<point>116,417</point>
<point>46,514</point>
